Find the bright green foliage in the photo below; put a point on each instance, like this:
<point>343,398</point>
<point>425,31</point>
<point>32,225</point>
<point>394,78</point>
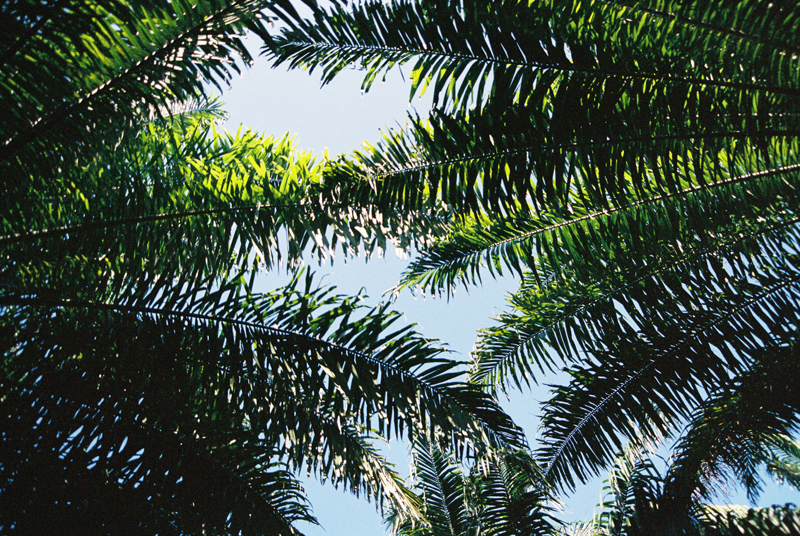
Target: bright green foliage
<point>145,386</point>
<point>636,164</point>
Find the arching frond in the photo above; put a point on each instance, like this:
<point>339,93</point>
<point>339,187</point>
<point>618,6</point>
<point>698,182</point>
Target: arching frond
<point>581,271</point>
<point>439,480</point>
<point>633,484</point>
<point>778,520</point>
<point>92,64</point>
<point>739,430</point>
<point>172,455</point>
<point>468,51</point>
<point>483,244</point>
<point>580,153</point>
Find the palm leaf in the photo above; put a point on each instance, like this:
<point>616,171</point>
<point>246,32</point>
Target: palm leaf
<point>74,447</point>
<point>633,483</point>
<point>188,199</point>
<point>515,499</point>
<point>461,50</point>
<point>784,463</point>
<point>491,244</point>
<point>738,430</point>
<point>664,379</point>
<point>551,158</point>
<point>725,521</point>
<point>335,357</point>
<point>93,63</point>
<point>439,481</point>
<point>502,494</point>
<point>566,299</point>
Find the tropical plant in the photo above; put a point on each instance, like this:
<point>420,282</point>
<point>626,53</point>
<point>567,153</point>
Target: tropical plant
<point>146,386</point>
<point>635,163</point>
<point>776,520</point>
<point>636,503</point>
<point>498,495</point>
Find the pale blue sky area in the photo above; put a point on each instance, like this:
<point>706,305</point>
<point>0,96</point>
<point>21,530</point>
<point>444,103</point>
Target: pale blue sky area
<point>339,117</point>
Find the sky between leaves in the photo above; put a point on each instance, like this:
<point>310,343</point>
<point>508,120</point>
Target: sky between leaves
<point>338,118</point>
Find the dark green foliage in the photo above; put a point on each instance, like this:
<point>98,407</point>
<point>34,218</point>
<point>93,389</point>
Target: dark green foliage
<point>637,502</point>
<point>108,429</point>
<point>777,520</point>
<point>636,165</point>
<point>146,387</point>
<point>240,393</point>
<point>502,494</point>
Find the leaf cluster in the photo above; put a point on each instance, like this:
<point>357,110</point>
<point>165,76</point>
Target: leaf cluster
<point>145,384</point>
<point>635,164</point>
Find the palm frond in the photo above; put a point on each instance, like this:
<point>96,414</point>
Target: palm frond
<point>661,345</point>
<point>784,463</point>
<point>575,151</point>
<point>438,478</point>
<point>192,200</point>
<point>735,20</point>
<point>74,448</point>
<point>343,454</point>
<point>462,52</point>
<point>502,494</point>
<point>739,430</point>
<point>636,164</point>
<point>379,369</point>
<point>515,499</point>
<point>185,197</point>
<point>94,62</point>
<point>491,244</point>
<point>727,521</point>
<point>553,316</point>
<point>633,484</point>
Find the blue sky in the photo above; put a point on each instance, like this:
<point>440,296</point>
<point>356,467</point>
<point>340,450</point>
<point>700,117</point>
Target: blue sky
<point>338,117</point>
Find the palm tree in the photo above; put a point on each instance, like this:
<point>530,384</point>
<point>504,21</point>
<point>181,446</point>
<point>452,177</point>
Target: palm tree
<point>146,387</point>
<point>498,495</point>
<point>637,502</point>
<point>635,163</point>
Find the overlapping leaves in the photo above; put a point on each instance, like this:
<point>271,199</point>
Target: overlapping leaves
<point>502,494</point>
<point>638,501</point>
<point>73,71</point>
<point>634,162</point>
<point>473,50</point>
<point>664,343</point>
<point>297,372</point>
<point>138,363</point>
<point>564,135</point>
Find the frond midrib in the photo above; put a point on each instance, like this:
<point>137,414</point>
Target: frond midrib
<point>11,145</point>
<point>437,391</point>
<point>697,254</point>
<point>669,350</point>
<point>465,159</point>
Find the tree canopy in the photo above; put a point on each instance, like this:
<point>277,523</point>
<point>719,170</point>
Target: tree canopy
<point>633,163</point>
<point>146,387</point>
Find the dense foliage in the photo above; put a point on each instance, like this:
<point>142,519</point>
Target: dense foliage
<point>636,165</point>
<point>146,387</point>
